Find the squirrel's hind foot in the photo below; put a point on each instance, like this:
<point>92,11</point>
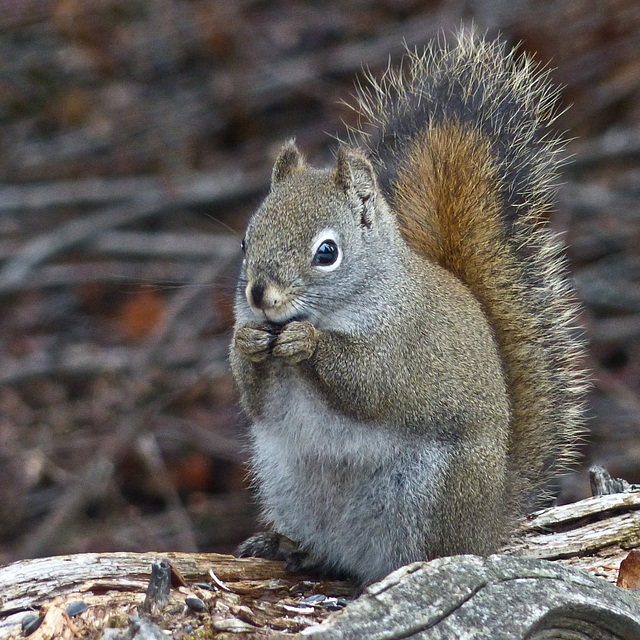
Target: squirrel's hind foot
<point>274,546</point>
<point>268,545</point>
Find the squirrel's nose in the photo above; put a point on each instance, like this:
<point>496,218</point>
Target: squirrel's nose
<point>263,297</point>
<point>256,295</point>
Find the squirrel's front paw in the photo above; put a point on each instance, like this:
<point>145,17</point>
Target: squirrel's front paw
<point>254,341</point>
<point>296,342</point>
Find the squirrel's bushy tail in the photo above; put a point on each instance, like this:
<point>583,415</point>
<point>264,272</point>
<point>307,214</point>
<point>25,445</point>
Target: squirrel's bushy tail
<point>466,161</point>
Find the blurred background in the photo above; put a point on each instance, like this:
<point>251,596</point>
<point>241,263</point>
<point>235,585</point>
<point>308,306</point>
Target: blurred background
<point>136,138</point>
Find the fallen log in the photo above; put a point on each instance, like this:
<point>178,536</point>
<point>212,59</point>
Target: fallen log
<point>486,598</point>
<point>516,594</point>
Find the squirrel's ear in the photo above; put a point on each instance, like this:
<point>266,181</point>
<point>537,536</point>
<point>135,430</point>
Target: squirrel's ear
<point>289,161</point>
<point>355,174</point>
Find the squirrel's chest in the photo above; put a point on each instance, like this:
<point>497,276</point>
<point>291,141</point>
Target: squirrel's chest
<point>309,461</point>
<point>298,425</point>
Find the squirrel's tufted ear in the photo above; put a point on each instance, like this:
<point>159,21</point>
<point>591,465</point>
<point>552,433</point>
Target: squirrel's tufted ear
<point>289,161</point>
<point>355,174</point>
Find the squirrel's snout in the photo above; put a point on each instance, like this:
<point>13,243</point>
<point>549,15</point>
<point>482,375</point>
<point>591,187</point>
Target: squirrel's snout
<point>263,297</point>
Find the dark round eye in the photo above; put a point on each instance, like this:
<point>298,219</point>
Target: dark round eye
<point>326,254</point>
<point>243,246</point>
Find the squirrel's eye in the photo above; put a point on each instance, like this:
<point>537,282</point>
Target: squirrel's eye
<point>326,254</point>
<point>243,246</point>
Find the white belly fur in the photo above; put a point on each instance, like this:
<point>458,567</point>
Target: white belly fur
<point>348,491</point>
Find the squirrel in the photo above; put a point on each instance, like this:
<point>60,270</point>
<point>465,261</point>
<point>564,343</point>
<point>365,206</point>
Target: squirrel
<point>405,342</point>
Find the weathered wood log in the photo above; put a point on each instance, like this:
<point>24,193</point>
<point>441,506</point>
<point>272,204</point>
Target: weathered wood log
<point>602,484</point>
<point>239,595</point>
<point>465,596</point>
<point>495,597</point>
<point>595,534</point>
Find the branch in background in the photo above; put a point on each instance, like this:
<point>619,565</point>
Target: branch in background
<point>43,248</point>
<point>126,273</point>
<point>618,144</point>
<point>149,451</point>
<point>188,246</point>
<point>81,360</point>
<point>183,190</point>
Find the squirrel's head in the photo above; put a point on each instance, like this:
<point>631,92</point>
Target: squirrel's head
<point>307,248</point>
